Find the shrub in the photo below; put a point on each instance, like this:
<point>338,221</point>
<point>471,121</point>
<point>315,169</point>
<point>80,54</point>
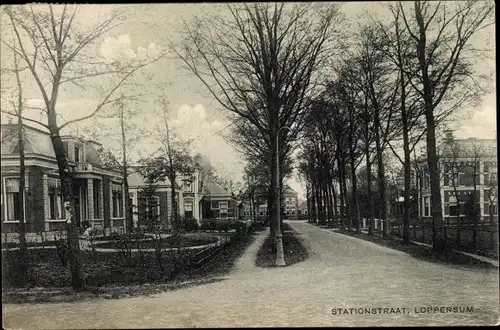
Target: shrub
<point>239,226</point>
<point>209,224</point>
<point>61,247</point>
<point>223,225</point>
<point>190,224</point>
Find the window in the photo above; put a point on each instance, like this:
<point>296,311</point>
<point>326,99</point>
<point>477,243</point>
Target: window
<point>153,207</point>
<point>223,206</point>
<point>426,206</point>
<point>188,209</point>
<point>453,210</point>
<point>215,205</point>
<point>13,199</point>
<point>77,154</point>
<point>116,201</point>
<point>56,209</point>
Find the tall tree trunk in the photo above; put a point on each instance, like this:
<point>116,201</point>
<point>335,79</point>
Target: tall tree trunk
<point>407,183</point>
<point>76,266</point>
<point>335,205</point>
<point>355,216</point>
<point>22,192</point>
<point>438,240</point>
<point>308,198</point>
<point>128,207</point>
<point>370,193</point>
<point>381,176</point>
<point>175,209</point>
<point>314,209</point>
<point>439,243</point>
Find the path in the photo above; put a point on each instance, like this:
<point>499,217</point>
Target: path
<point>342,272</point>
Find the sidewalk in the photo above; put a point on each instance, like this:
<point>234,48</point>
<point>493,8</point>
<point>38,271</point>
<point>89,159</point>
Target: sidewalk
<point>491,261</point>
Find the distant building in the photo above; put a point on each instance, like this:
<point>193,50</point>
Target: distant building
<point>302,209</point>
<point>197,197</point>
<point>468,166</point>
<point>289,204</point>
<point>98,191</point>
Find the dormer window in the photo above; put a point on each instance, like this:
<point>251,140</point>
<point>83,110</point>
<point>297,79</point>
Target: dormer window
<point>77,154</point>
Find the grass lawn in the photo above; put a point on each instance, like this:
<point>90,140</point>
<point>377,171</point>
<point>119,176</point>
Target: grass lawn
<point>293,249</point>
<point>422,252</point>
<point>109,276</point>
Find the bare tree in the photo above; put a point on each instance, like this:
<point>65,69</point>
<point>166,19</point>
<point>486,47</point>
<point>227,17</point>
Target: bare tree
<point>18,104</point>
<point>53,48</point>
<point>265,52</point>
<point>440,34</point>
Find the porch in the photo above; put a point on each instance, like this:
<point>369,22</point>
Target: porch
<point>98,202</point>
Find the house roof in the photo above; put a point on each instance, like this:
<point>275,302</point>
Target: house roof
<point>214,189</point>
<point>38,142</point>
<point>303,205</point>
<point>135,179</point>
<point>289,190</point>
<point>470,148</point>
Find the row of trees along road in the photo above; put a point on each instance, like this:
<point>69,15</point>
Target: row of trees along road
<point>54,52</point>
<point>400,79</point>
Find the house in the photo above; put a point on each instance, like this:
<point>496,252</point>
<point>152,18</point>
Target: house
<point>196,197</point>
<point>289,204</point>
<point>302,210</point>
<point>97,190</point>
<point>468,167</point>
<point>217,202</point>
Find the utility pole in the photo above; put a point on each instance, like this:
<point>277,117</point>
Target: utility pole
<point>280,256</point>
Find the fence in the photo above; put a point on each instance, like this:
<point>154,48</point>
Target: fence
<point>480,238</point>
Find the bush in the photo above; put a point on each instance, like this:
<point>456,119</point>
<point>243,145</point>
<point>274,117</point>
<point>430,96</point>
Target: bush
<point>223,225</point>
<point>239,226</point>
<point>209,224</point>
<point>190,224</point>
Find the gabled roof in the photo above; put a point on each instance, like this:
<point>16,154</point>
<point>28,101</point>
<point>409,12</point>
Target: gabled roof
<point>303,205</point>
<point>214,189</point>
<point>289,190</point>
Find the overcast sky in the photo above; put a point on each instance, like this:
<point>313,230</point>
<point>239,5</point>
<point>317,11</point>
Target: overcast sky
<point>197,115</point>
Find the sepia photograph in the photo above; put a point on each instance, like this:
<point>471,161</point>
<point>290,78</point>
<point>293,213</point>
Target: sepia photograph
<point>249,164</point>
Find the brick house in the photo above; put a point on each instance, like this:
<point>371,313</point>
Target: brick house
<point>197,198</point>
<point>188,198</point>
<point>470,169</point>
<point>217,202</point>
<point>98,191</point>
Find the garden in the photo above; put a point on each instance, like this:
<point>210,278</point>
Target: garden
<point>152,257</point>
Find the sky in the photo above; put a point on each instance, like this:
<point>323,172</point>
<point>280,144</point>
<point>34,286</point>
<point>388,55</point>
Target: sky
<point>146,31</point>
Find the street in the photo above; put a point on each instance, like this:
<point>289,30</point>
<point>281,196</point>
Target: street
<point>341,273</point>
